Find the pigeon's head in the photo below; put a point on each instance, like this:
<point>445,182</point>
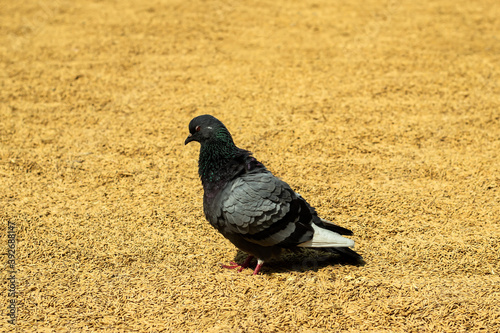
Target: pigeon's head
<point>206,128</point>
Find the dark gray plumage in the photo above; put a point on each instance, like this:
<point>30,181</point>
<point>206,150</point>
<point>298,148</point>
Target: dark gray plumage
<point>259,213</point>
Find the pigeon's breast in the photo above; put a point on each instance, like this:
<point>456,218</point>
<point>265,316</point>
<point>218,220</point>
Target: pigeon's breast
<point>211,201</point>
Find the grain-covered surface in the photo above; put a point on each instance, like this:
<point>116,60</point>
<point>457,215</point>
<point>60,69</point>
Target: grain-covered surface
<point>384,115</point>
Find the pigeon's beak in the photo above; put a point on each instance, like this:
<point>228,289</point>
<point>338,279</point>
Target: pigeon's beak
<point>189,139</point>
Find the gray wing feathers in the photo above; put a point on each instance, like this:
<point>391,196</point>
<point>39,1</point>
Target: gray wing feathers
<point>252,202</point>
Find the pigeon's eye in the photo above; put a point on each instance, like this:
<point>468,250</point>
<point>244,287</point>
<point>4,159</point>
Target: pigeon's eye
<point>197,128</point>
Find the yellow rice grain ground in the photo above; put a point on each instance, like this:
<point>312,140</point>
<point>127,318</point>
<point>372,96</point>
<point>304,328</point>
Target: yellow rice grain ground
<point>384,115</point>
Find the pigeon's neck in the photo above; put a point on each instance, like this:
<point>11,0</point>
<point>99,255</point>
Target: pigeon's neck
<point>217,160</point>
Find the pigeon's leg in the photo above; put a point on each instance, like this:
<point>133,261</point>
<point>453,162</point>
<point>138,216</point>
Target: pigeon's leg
<point>258,267</point>
<point>236,265</point>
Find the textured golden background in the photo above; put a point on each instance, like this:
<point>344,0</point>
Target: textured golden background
<point>384,115</point>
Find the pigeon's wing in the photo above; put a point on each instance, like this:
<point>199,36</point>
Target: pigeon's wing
<point>264,210</point>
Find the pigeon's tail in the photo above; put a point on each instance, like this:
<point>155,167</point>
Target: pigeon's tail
<point>330,241</point>
<point>345,252</point>
<point>332,226</point>
<point>326,238</point>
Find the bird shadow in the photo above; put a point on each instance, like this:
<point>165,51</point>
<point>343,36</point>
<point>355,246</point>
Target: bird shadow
<point>300,261</point>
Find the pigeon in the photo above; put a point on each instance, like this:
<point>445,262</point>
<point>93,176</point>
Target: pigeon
<point>255,210</point>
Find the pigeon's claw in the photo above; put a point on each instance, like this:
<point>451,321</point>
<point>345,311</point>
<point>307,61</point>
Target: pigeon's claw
<point>232,264</point>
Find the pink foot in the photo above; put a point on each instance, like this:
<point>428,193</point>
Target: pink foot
<point>242,266</point>
<point>231,265</point>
